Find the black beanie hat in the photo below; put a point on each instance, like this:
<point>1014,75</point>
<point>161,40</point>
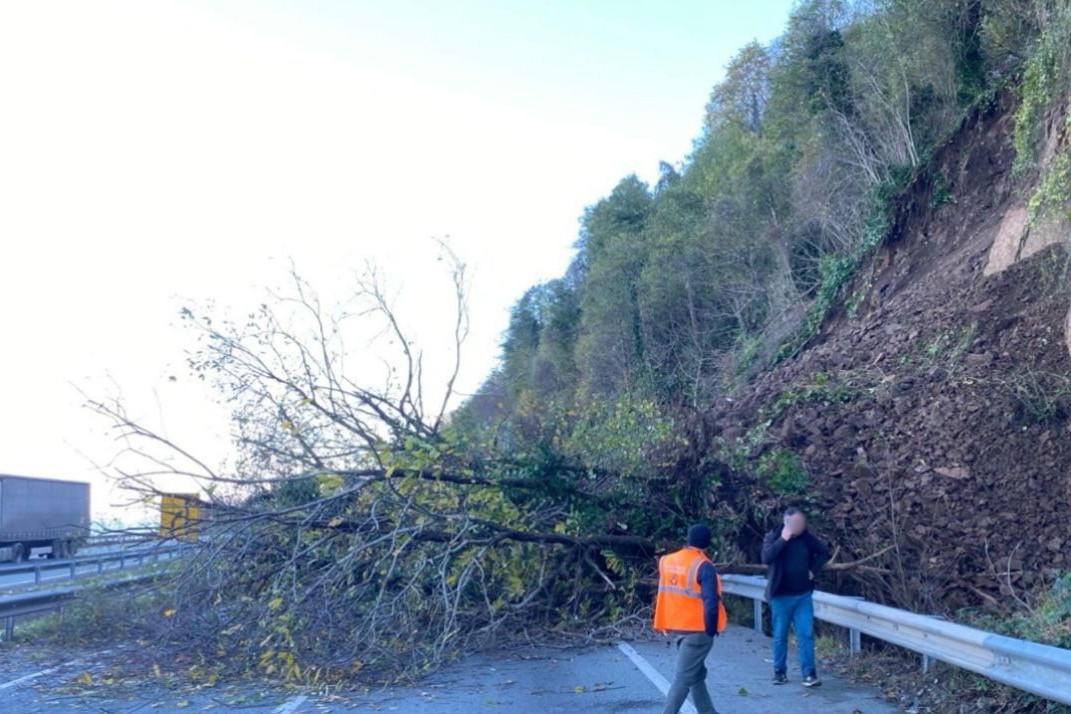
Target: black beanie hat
<point>699,536</point>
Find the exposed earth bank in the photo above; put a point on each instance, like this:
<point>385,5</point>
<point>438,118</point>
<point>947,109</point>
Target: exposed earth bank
<point>932,416</point>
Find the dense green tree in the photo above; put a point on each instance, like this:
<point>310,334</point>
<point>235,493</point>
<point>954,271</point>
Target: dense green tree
<point>733,257</point>
<point>611,350</point>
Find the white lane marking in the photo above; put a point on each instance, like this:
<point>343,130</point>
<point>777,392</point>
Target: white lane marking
<point>35,675</point>
<point>652,674</point>
<point>291,706</point>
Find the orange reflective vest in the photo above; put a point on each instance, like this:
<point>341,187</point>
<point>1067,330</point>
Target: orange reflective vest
<point>679,605</point>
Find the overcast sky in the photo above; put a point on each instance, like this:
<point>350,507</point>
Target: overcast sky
<point>156,154</point>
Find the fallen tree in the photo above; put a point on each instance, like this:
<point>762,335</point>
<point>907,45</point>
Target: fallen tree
<point>360,533</point>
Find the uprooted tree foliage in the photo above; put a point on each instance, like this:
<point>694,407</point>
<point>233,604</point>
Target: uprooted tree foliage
<point>361,531</point>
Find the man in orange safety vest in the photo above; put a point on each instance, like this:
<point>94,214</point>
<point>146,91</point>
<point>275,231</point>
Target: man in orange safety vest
<point>689,605</point>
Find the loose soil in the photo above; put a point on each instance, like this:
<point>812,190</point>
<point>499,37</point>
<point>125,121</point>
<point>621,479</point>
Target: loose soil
<point>949,435</point>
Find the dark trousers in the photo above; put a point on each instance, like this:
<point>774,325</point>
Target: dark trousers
<point>691,674</point>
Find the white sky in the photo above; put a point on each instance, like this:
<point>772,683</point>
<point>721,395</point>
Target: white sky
<point>157,154</point>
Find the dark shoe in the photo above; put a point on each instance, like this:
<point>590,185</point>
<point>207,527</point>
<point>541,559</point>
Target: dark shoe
<point>780,678</point>
<point>812,681</point>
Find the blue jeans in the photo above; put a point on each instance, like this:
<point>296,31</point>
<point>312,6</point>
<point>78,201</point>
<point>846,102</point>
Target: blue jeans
<point>799,611</point>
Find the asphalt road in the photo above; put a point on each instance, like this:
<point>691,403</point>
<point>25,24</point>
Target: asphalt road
<point>13,577</point>
<point>624,678</point>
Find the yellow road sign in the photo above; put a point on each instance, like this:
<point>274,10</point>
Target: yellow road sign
<point>179,515</point>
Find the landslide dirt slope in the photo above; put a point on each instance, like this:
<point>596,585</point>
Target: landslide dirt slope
<point>935,419</point>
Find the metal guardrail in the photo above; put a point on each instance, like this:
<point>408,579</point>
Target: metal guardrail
<point>125,559</point>
<point>38,601</point>
<point>1032,667</point>
<point>124,538</point>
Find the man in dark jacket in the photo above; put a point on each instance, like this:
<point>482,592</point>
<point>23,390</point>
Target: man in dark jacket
<point>793,557</point>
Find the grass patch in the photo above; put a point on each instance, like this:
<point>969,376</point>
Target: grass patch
<point>747,352</point>
<point>101,613</point>
<point>1052,195</point>
<point>819,389</point>
<point>1044,83</point>
<point>1052,268</point>
<point>1039,398</point>
<point>828,647</point>
<point>1047,621</point>
<point>940,193</point>
<point>948,347</point>
<point>784,471</point>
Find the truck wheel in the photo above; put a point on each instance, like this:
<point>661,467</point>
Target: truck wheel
<point>19,552</point>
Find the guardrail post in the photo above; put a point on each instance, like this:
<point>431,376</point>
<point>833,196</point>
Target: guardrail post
<point>855,637</point>
<point>37,575</point>
<point>927,661</point>
<point>758,615</point>
<point>122,561</point>
<point>100,565</point>
<point>9,628</point>
<point>74,568</point>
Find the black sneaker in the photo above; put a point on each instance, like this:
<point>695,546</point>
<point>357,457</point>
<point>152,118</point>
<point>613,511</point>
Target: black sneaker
<point>780,678</point>
<point>812,681</point>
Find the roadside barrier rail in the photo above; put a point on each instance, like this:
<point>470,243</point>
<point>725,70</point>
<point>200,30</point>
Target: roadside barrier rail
<point>121,538</point>
<point>76,566</point>
<point>1040,669</point>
